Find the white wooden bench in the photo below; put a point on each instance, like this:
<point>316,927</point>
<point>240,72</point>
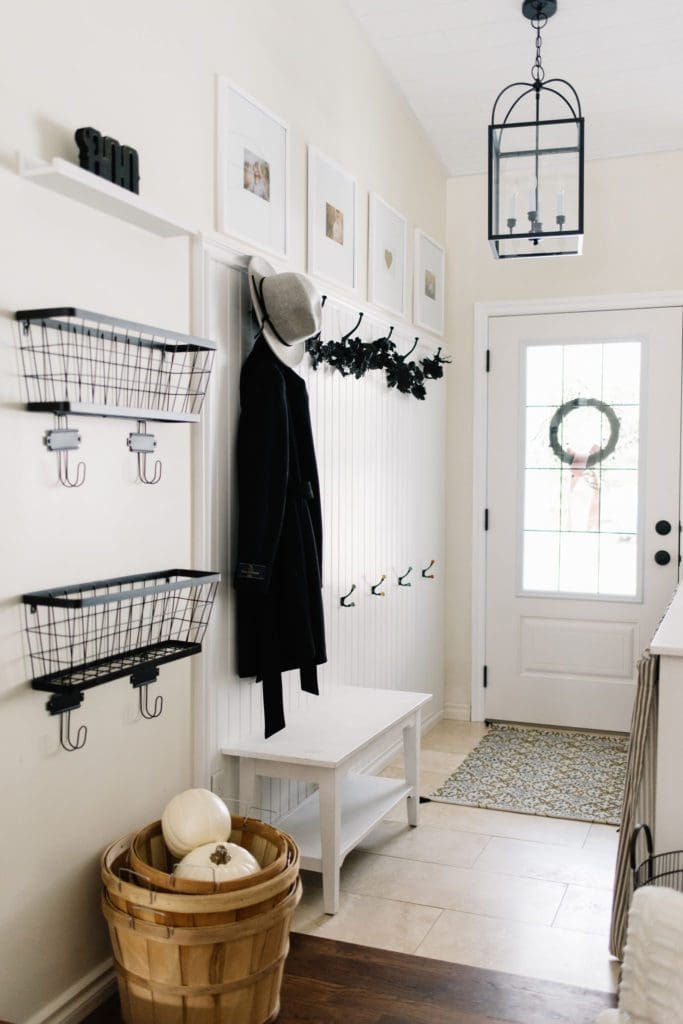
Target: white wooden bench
<point>321,744</point>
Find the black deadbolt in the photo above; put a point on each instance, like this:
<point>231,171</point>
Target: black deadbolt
<point>662,557</point>
<point>663,527</point>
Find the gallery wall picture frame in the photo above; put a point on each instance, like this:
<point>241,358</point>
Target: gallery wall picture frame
<point>429,284</point>
<point>387,251</point>
<point>252,170</point>
<point>332,221</point>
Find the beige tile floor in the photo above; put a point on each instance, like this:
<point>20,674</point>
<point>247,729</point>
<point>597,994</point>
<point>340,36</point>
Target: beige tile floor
<point>509,892</point>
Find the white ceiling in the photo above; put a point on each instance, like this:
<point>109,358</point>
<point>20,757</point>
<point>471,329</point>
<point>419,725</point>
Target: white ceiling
<point>451,58</point>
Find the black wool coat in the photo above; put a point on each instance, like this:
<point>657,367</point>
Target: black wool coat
<point>280,623</point>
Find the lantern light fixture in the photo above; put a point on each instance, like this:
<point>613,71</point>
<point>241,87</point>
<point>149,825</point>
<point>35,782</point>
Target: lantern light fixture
<point>536,157</point>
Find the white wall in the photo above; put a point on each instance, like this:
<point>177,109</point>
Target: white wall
<point>634,219</point>
<point>143,72</point>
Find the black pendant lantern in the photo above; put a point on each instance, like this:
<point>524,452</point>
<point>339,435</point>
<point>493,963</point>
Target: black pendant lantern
<point>536,147</point>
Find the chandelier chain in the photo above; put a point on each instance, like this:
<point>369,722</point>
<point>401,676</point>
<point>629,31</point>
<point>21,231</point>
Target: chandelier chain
<point>537,71</point>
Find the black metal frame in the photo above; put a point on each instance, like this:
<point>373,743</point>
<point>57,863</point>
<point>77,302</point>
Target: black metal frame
<point>664,869</point>
<point>92,633</point>
<point>93,364</point>
<point>578,233</point>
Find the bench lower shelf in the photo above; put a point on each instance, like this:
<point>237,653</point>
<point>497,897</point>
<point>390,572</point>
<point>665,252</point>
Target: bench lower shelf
<point>365,800</point>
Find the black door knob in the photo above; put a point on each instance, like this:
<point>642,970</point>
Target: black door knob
<point>662,527</point>
<point>662,557</point>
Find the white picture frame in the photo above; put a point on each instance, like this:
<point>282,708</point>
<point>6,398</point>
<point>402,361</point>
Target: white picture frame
<point>387,252</point>
<point>429,284</point>
<point>252,171</point>
<point>332,222</point>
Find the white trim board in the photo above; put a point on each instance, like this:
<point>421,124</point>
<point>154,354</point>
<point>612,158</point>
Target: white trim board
<point>80,999</point>
<point>483,313</point>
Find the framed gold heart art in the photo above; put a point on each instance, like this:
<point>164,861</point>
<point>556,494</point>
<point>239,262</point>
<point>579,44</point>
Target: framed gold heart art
<point>387,257</point>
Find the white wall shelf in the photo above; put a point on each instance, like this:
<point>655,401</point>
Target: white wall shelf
<point>70,180</point>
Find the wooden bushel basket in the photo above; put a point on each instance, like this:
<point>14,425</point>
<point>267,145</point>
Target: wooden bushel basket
<point>132,893</point>
<point>220,974</point>
<point>150,856</point>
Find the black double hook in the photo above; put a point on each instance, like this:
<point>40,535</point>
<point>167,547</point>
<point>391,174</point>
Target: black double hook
<point>143,701</point>
<point>65,733</point>
<point>344,602</point>
<point>405,574</point>
<point>62,704</point>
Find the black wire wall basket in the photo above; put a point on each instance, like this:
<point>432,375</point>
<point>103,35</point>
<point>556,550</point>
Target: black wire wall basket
<point>88,634</point>
<point>76,361</point>
<point>664,869</point>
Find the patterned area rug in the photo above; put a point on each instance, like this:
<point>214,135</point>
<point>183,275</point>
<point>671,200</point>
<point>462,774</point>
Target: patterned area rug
<point>550,772</point>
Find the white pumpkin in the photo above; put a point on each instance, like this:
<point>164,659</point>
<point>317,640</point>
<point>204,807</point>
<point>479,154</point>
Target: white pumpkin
<point>193,818</point>
<point>217,862</point>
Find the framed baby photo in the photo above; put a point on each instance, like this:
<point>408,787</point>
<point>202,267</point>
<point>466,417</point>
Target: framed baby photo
<point>428,291</point>
<point>332,216</point>
<point>386,256</point>
<point>252,173</point>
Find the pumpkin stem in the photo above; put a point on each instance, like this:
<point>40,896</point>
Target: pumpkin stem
<point>220,855</point>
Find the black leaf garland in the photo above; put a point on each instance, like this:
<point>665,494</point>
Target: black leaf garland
<point>355,357</point>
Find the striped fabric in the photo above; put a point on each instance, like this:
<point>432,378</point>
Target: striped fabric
<point>639,794</point>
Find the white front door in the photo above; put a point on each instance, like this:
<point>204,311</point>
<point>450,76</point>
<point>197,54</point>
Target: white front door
<point>584,434</point>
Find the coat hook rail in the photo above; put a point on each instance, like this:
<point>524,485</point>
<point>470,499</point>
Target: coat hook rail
<point>63,704</point>
<point>374,588</point>
<point>426,573</point>
<point>144,444</point>
<point>344,601</point>
<point>404,576</point>
<point>62,439</point>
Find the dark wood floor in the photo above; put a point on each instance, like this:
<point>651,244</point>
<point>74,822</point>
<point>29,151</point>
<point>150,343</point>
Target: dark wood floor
<point>329,982</point>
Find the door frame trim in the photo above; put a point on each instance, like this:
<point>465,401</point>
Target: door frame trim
<point>484,312</point>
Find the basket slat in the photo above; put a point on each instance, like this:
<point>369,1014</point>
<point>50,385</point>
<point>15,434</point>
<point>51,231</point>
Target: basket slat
<point>151,858</point>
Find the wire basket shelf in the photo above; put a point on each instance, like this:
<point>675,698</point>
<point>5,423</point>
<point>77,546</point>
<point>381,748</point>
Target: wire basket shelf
<point>76,361</point>
<point>664,869</point>
<point>84,635</point>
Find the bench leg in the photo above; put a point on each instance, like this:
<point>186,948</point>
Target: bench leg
<point>330,838</point>
<point>248,783</point>
<point>411,757</point>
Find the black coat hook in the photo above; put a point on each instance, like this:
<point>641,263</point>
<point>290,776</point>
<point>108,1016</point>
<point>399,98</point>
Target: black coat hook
<point>343,600</point>
<point>411,349</point>
<point>426,573</point>
<point>345,337</point>
<point>405,574</point>
<point>373,589</point>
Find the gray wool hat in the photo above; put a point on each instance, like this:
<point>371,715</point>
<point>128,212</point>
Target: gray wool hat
<point>288,308</point>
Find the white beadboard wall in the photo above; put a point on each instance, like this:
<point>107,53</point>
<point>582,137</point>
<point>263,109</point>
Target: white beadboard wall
<point>382,471</point>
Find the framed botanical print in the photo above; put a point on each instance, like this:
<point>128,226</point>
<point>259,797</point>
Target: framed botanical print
<point>252,172</point>
<point>332,216</point>
<point>430,274</point>
<point>386,256</point>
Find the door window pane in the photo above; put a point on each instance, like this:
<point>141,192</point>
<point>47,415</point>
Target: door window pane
<point>581,480</point>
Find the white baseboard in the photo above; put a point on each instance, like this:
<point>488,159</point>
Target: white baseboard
<point>84,996</point>
<point>459,712</point>
<point>381,761</point>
